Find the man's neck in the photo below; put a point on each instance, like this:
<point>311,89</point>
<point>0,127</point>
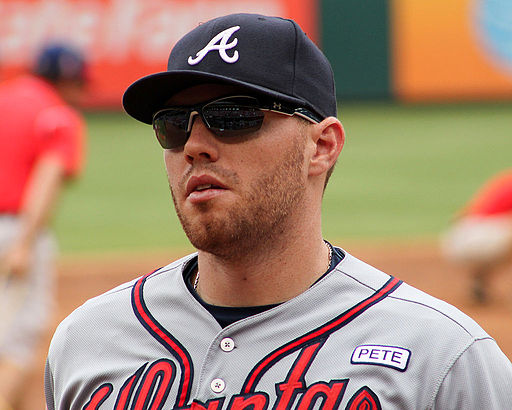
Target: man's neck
<point>265,275</point>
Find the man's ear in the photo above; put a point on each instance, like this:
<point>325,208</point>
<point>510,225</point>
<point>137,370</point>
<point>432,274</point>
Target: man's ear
<point>329,137</point>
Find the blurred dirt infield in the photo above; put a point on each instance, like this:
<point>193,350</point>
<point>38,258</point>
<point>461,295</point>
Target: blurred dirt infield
<point>418,264</point>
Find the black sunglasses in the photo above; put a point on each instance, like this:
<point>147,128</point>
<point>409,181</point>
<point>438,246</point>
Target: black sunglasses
<point>225,117</point>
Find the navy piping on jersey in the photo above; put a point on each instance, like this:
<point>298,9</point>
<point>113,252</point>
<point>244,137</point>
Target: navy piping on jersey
<point>227,315</point>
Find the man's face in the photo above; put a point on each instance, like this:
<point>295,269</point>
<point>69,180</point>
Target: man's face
<point>230,195</point>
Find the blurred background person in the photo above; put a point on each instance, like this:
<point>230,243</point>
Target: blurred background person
<point>41,148</point>
<point>481,236</point>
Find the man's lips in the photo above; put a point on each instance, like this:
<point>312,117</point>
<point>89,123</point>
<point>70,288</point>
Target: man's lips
<point>203,186</point>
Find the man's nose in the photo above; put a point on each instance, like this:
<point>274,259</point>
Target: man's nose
<point>202,145</point>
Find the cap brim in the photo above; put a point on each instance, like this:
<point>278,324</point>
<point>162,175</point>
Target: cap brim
<point>149,94</point>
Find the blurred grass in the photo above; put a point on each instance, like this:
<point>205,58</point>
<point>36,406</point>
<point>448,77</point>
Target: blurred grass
<point>403,172</point>
<point>406,170</point>
<point>122,200</point>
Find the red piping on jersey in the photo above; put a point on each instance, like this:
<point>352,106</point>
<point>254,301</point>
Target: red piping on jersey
<point>158,331</point>
<point>98,397</point>
<point>127,389</point>
<point>322,332</point>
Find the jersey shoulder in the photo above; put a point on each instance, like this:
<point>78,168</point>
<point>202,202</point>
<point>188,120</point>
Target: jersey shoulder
<point>108,310</point>
<point>410,303</point>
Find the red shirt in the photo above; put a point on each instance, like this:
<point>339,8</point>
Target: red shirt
<point>34,122</point>
<point>494,198</point>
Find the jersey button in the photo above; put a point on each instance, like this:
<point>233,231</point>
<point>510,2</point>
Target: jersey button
<point>227,344</point>
<point>218,385</point>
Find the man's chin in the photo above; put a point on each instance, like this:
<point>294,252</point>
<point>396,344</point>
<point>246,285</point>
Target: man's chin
<point>207,233</point>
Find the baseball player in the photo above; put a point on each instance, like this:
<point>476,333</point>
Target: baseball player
<point>40,149</point>
<point>267,314</point>
<point>480,238</point>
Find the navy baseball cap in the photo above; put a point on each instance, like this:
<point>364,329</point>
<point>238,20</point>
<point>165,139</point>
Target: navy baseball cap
<point>269,56</point>
<point>60,62</point>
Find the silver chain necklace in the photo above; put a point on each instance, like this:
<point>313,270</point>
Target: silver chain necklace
<point>196,281</point>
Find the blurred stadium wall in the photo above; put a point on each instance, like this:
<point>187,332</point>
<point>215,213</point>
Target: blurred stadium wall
<point>411,50</point>
<point>124,39</point>
<point>420,50</point>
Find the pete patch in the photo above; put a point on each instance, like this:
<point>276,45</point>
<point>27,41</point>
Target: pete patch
<point>388,356</point>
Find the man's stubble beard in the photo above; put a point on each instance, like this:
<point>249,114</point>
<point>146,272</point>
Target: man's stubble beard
<point>259,219</point>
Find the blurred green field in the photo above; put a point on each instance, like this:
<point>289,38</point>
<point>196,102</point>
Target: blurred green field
<point>403,173</point>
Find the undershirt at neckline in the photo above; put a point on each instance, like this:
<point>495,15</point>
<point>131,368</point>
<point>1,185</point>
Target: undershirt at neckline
<point>226,315</point>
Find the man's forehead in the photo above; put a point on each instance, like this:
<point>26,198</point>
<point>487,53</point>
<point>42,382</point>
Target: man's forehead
<point>205,92</point>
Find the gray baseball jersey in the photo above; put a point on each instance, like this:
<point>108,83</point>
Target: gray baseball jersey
<point>356,339</point>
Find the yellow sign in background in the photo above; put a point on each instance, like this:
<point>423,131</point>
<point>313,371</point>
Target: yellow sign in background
<point>451,49</point>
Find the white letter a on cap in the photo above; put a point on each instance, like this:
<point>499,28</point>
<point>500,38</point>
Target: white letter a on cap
<point>223,45</point>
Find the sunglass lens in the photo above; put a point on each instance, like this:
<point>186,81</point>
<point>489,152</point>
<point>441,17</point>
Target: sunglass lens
<point>171,128</point>
<point>231,119</point>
